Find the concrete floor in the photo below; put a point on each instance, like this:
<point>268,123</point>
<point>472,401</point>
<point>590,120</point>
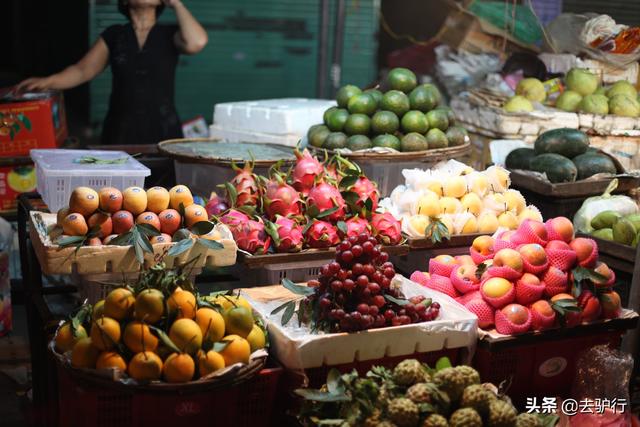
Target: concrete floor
<point>15,371</point>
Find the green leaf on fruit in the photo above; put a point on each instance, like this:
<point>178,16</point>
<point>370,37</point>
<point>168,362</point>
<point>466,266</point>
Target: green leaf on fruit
<point>281,307</point>
<point>220,345</point>
<point>70,241</point>
<point>288,314</point>
<point>437,231</point>
<point>348,180</point>
<point>482,267</point>
<point>334,384</point>
<point>147,230</point>
<point>342,226</point>
<point>442,363</point>
<point>272,230</point>
<point>395,300</point>
<point>202,227</point>
<point>180,247</point>
<point>232,193</point>
<point>580,274</point>
<point>210,244</point>
<point>297,289</point>
<point>123,239</point>
<point>27,123</point>
<point>327,212</point>
<point>165,339</point>
<point>313,211</point>
<point>321,396</point>
<point>351,199</point>
<point>368,204</point>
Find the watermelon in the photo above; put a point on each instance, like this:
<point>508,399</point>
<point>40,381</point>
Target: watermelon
<point>520,158</point>
<point>557,167</point>
<point>589,164</point>
<point>564,141</point>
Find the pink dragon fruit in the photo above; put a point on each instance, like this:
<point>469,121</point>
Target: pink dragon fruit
<point>324,197</point>
<point>305,172</point>
<point>216,205</point>
<point>355,227</point>
<point>322,234</point>
<point>280,199</point>
<point>251,236</point>
<point>234,219</point>
<point>365,189</point>
<point>290,236</point>
<point>386,228</point>
<point>245,185</point>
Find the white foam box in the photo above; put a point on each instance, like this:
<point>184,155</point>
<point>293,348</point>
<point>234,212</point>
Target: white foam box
<point>286,116</point>
<point>238,135</point>
<point>297,348</point>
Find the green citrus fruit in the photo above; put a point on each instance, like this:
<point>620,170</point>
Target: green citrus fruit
<point>396,102</point>
<point>414,121</point>
<point>345,93</point>
<point>402,79</point>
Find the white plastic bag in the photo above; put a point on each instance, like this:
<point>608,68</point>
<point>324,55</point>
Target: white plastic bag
<point>606,202</point>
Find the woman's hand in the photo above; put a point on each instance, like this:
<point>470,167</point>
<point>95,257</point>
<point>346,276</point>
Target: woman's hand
<point>34,84</point>
<point>172,3</point>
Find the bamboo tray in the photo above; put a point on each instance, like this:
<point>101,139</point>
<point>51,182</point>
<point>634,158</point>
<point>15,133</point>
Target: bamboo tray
<point>307,255</point>
<point>434,155</point>
<point>117,259</point>
<point>456,241</point>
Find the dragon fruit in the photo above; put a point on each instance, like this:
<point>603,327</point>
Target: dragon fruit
<point>216,205</point>
<point>234,219</point>
<point>355,227</point>
<point>306,170</point>
<point>322,234</point>
<point>386,228</point>
<point>245,185</point>
<point>290,236</point>
<point>365,189</point>
<point>324,197</point>
<point>280,199</point>
<point>251,236</point>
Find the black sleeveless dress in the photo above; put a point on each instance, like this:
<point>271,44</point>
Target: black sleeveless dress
<point>141,107</point>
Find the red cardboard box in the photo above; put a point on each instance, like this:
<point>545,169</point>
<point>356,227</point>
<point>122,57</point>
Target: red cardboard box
<point>30,120</point>
<point>16,176</point>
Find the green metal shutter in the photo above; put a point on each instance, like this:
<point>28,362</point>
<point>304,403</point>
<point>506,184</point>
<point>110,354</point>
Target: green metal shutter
<point>256,50</point>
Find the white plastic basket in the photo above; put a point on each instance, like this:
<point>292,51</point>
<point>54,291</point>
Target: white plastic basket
<point>58,173</point>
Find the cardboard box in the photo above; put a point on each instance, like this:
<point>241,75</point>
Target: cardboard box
<point>31,120</point>
<point>16,176</point>
<point>463,30</point>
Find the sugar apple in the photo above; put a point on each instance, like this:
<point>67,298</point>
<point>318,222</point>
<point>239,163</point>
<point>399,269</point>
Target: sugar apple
<point>477,397</point>
<point>528,420</point>
<point>435,420</point>
<point>471,376</point>
<point>372,420</point>
<point>501,414</point>
<point>420,393</point>
<point>386,424</point>
<point>403,412</point>
<point>465,417</point>
<point>451,381</point>
<point>409,372</point>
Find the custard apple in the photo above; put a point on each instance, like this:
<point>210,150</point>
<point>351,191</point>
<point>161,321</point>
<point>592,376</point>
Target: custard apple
<point>528,420</point>
<point>471,376</point>
<point>451,381</point>
<point>435,420</point>
<point>372,420</point>
<point>501,414</point>
<point>386,424</point>
<point>420,393</point>
<point>409,372</point>
<point>477,397</point>
<point>403,412</point>
<point>465,417</point>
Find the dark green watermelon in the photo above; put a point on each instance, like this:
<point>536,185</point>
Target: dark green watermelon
<point>589,164</point>
<point>557,167</point>
<point>520,158</point>
<point>564,141</point>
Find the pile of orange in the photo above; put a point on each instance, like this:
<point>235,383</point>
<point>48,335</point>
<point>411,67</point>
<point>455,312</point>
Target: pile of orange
<point>113,213</point>
<point>156,336</point>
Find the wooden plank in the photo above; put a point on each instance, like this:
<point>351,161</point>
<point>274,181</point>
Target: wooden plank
<point>570,189</point>
<point>458,240</point>
<point>307,255</point>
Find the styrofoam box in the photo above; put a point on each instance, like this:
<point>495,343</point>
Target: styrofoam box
<point>239,135</point>
<point>297,348</point>
<point>58,173</point>
<point>271,116</point>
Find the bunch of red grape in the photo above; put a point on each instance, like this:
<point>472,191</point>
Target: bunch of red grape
<point>354,292</point>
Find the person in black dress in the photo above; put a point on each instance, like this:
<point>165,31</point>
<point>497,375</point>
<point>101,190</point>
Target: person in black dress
<point>143,56</point>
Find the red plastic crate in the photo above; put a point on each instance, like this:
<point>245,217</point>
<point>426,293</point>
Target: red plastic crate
<point>544,368</point>
<point>246,405</point>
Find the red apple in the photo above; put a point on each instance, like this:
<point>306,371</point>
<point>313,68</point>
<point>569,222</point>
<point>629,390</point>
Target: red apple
<point>516,313</point>
<point>604,270</point>
<point>483,245</point>
<point>543,308</point>
<point>583,248</point>
<point>611,305</point>
<point>562,227</point>
<point>558,245</point>
<point>508,258</point>
<point>533,253</point>
<point>496,287</point>
<point>464,259</point>
<point>538,229</point>
<point>467,273</point>
<point>590,306</point>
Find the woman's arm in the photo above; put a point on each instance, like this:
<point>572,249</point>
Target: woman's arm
<point>84,70</point>
<point>191,38</point>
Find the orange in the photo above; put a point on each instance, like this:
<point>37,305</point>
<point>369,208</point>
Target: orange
<point>105,333</point>
<point>103,221</point>
<point>182,304</point>
<point>149,305</point>
<point>186,335</point>
<point>110,199</point>
<point>211,324</point>
<point>209,362</point>
<point>98,310</point>
<point>61,215</point>
<point>111,359</point>
<point>107,240</point>
<point>194,214</point>
<point>119,303</point>
<point>162,238</point>
<point>65,339</point>
<point>256,338</point>
<point>134,200</point>
<point>157,199</point>
<point>149,218</point>
<point>74,225</point>
<point>94,241</point>
<point>180,194</point>
<point>84,354</point>
<point>238,350</point>
<point>138,337</point>
<point>122,222</point>
<point>83,200</point>
<point>178,368</point>
<point>238,321</point>
<point>169,221</point>
<point>145,366</point>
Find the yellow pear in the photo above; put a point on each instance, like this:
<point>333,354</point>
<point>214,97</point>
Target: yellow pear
<point>471,202</point>
<point>478,183</point>
<point>455,187</point>
<point>498,178</point>
<point>530,212</point>
<point>488,223</point>
<point>428,204</point>
<point>471,226</point>
<point>448,222</point>
<point>494,202</point>
<point>508,220</point>
<point>417,224</point>
<point>515,201</point>
<point>436,187</point>
<point>450,205</point>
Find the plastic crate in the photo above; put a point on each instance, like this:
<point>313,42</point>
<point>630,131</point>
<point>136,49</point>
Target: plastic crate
<point>273,274</point>
<point>58,173</point>
<point>544,368</point>
<point>249,404</point>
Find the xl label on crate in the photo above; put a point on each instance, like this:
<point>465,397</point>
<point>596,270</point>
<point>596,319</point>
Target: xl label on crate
<point>552,367</point>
